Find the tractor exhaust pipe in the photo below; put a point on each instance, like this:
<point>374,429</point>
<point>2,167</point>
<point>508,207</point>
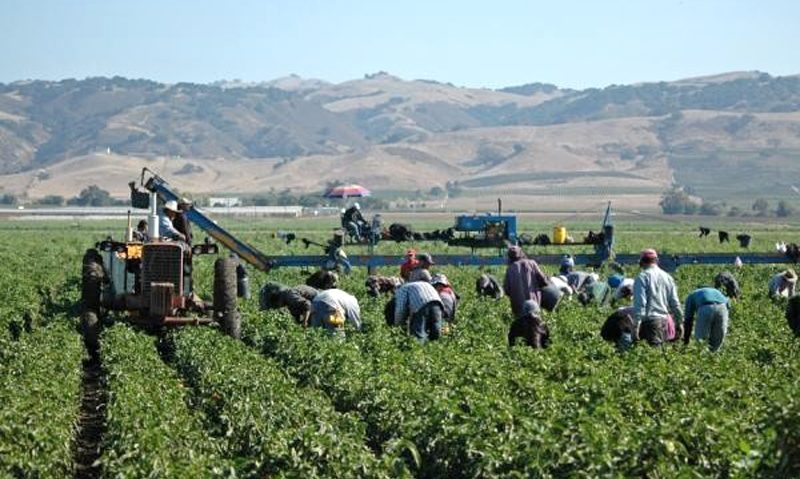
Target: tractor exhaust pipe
<point>152,223</point>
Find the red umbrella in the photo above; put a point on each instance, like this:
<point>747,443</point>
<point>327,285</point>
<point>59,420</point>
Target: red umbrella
<point>347,191</point>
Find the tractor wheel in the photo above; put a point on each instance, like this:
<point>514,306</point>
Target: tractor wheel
<point>90,328</point>
<point>225,297</point>
<point>93,276</point>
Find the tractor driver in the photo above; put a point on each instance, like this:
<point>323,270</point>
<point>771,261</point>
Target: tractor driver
<point>353,221</point>
<point>166,226</point>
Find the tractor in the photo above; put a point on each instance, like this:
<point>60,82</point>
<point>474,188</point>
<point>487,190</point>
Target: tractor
<point>152,280</point>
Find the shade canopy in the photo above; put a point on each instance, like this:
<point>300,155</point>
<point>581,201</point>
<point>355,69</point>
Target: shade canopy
<point>347,191</point>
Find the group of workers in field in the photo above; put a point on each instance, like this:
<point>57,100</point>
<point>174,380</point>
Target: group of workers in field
<point>425,303</point>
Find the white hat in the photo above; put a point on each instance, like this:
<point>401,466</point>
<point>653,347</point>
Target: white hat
<point>171,205</point>
<point>358,207</point>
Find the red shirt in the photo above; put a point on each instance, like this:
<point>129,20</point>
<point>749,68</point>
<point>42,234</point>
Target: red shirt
<point>407,266</point>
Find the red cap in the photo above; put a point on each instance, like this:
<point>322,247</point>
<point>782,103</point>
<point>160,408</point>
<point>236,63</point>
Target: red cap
<point>648,255</point>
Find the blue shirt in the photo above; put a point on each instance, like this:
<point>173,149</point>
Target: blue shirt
<point>701,297</point>
<point>166,229</point>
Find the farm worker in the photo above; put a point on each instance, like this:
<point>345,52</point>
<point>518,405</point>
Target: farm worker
<point>530,327</point>
<point>560,282</point>
<point>448,296</point>
<point>580,280</point>
<point>331,308</point>
<point>422,271</point>
<point>181,222</point>
<point>420,301</point>
<point>622,287</point>
<point>782,284</point>
<point>487,285</point>
<point>597,292</point>
<point>376,228</point>
<point>141,233</point>
<point>567,265</point>
<point>710,307</point>
<point>524,280</point>
<point>297,300</point>
<point>353,220</point>
<point>655,301</point>
<point>166,228</point>
<point>620,328</point>
<point>793,314</point>
<point>727,283</point>
<point>409,264</point>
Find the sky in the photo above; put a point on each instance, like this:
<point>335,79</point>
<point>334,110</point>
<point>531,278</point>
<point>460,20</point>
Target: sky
<point>491,44</point>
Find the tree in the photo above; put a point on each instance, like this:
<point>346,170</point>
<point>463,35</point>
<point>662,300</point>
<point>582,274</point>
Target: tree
<point>735,211</point>
<point>52,200</point>
<point>761,206</point>
<point>92,196</point>
<point>7,199</point>
<point>784,209</point>
<point>710,209</point>
<point>676,201</point>
<point>436,192</point>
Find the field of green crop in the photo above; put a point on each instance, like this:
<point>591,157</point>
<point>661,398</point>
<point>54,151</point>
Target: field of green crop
<point>289,402</point>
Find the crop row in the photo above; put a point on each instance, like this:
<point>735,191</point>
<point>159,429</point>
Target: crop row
<point>34,286</point>
<point>474,407</point>
<point>151,432</point>
<point>40,386</point>
<point>273,427</point>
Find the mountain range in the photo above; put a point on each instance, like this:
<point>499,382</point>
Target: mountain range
<point>731,137</point>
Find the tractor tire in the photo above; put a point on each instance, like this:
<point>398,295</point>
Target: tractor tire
<point>232,324</point>
<point>90,328</point>
<point>93,276</point>
<point>225,292</point>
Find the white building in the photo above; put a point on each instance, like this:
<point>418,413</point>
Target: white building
<point>224,201</point>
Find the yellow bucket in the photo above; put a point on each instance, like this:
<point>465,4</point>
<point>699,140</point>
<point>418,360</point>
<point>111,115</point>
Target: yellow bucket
<point>559,235</point>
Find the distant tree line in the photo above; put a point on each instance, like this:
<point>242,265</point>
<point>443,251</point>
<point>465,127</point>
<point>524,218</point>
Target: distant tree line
<point>677,201</point>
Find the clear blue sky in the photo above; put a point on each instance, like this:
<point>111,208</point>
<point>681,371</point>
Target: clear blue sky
<point>479,44</point>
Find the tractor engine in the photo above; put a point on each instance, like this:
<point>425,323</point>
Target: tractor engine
<point>162,278</point>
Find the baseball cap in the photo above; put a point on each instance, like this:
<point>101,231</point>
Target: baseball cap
<point>440,278</point>
<point>649,255</point>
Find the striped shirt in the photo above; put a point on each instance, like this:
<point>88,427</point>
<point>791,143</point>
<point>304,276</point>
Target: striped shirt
<point>411,297</point>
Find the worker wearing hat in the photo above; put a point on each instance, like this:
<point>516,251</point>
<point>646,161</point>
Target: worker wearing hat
<point>524,280</point>
<point>783,284</point>
<point>422,271</point>
<point>166,227</point>
<point>655,302</point>
<point>448,295</point>
<point>409,264</point>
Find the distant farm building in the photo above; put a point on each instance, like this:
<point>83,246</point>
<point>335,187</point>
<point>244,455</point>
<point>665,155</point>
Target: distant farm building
<point>224,201</point>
